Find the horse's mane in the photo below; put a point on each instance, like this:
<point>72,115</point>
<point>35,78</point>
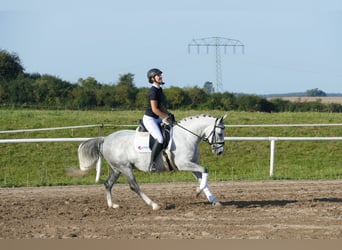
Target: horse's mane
<point>195,117</point>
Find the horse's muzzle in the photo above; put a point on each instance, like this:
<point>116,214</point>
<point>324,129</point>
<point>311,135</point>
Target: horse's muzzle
<point>217,151</point>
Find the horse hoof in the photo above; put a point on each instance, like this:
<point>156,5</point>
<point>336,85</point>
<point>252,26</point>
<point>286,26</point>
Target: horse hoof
<point>155,206</point>
<point>198,191</point>
<point>112,205</point>
<point>217,204</point>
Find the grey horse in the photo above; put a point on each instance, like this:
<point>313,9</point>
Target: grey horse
<point>119,152</point>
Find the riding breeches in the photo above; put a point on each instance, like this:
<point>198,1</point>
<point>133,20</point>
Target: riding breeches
<point>152,126</point>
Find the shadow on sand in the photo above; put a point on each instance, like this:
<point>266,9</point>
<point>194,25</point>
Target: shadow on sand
<point>266,203</point>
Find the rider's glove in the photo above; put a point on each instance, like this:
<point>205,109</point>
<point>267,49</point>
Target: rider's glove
<point>169,120</point>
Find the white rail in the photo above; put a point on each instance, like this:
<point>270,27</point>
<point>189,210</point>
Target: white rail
<point>43,140</point>
<point>274,139</point>
<point>271,139</point>
<point>61,128</point>
<point>135,125</point>
<point>284,125</point>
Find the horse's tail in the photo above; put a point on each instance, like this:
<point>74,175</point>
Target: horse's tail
<point>89,154</point>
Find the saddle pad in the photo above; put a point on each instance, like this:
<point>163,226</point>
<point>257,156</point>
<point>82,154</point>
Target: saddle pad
<point>141,142</point>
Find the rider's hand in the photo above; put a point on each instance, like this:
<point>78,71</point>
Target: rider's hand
<point>171,119</point>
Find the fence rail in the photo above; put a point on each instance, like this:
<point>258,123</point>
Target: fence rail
<point>102,125</point>
<point>43,140</point>
<point>272,140</point>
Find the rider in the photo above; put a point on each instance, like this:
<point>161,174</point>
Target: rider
<point>155,112</point>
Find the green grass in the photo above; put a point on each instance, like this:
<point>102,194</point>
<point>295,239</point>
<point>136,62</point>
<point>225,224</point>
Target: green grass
<point>41,164</point>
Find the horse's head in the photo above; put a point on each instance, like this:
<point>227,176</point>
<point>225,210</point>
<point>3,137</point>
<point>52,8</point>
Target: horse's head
<point>209,129</point>
<point>216,136</point>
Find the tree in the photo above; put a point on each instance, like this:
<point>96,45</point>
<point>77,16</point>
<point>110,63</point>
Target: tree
<point>214,101</point>
<point>141,98</point>
<point>84,98</point>
<point>125,92</point>
<point>254,103</point>
<point>176,97</point>
<point>51,90</point>
<point>20,91</point>
<point>10,66</point>
<point>3,94</point>
<point>281,105</point>
<point>197,96</point>
<point>89,84</point>
<point>93,88</point>
<point>104,96</point>
<point>315,92</point>
<point>228,101</point>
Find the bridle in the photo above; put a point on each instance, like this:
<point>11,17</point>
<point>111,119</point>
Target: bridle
<point>215,144</point>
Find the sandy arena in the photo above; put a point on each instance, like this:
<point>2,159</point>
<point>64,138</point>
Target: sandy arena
<point>251,210</point>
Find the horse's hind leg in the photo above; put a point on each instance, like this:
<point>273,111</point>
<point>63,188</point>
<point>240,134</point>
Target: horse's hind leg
<point>135,187</point>
<point>112,178</point>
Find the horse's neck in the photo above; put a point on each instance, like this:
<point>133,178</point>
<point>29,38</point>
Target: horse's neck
<point>197,125</point>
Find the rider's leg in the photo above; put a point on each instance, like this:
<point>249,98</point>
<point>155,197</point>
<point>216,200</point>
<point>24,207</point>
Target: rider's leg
<point>157,147</point>
<point>152,125</point>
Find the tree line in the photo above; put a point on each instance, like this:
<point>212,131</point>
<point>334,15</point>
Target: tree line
<point>21,89</point>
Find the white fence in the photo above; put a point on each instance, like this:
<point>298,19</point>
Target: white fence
<point>271,139</point>
<point>274,139</point>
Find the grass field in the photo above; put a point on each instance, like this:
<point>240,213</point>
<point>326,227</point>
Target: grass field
<point>39,164</point>
<point>322,99</point>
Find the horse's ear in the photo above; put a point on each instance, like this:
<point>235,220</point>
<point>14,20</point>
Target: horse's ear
<point>223,117</point>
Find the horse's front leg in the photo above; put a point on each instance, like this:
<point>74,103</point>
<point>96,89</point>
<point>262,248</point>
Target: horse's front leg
<point>112,178</point>
<point>203,186</point>
<point>201,173</point>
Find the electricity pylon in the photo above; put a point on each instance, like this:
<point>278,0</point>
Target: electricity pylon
<point>218,43</point>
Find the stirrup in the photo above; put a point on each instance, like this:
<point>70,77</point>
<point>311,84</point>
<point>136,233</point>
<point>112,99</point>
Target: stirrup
<point>152,167</point>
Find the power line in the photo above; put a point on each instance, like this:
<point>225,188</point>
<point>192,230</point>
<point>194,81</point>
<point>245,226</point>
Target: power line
<point>218,43</point>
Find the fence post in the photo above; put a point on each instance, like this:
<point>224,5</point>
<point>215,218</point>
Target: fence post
<point>272,157</point>
<point>100,129</point>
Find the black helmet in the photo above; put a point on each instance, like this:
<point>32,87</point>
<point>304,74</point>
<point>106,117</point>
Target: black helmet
<point>152,73</point>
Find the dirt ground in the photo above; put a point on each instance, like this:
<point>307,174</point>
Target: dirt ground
<point>251,210</point>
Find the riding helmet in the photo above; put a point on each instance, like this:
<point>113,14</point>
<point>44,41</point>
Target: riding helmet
<point>152,73</point>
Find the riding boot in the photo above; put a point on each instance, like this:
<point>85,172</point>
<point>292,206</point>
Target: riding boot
<point>157,147</point>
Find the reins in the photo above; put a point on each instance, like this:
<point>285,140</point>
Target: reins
<point>205,139</point>
<point>200,137</point>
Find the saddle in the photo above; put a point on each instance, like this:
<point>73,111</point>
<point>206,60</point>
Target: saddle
<point>144,142</point>
<point>165,129</point>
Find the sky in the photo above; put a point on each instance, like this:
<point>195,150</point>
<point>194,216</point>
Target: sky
<point>290,46</point>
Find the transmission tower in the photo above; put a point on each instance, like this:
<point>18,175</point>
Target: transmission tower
<point>218,43</point>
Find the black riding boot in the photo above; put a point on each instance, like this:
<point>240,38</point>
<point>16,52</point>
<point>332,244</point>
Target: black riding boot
<point>157,147</point>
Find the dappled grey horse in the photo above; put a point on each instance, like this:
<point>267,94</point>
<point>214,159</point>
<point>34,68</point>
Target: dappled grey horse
<point>118,150</point>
